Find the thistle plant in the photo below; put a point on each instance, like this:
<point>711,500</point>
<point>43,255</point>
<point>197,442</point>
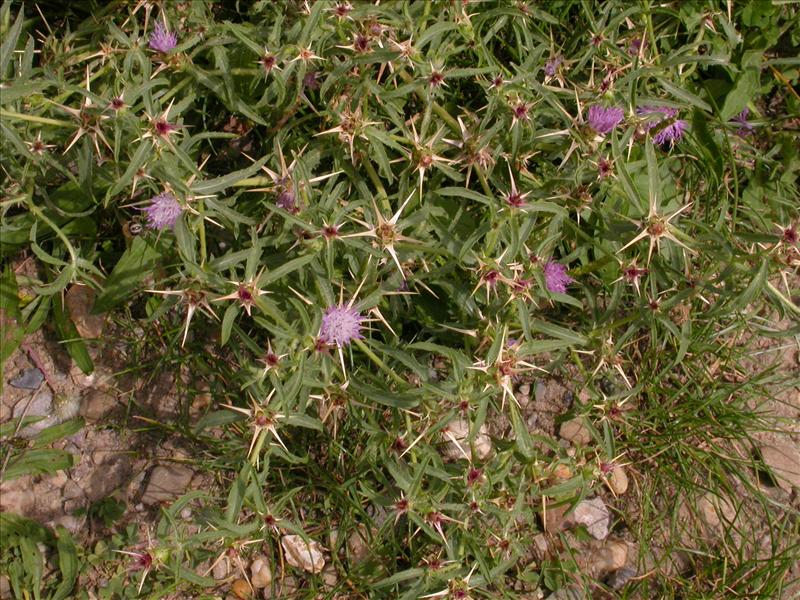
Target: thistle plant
<point>360,223</point>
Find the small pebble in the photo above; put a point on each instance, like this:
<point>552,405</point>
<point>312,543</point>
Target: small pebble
<point>29,379</point>
<point>186,513</point>
<point>241,589</point>
<point>575,431</point>
<point>260,573</point>
<point>618,480</point>
<point>621,577</point>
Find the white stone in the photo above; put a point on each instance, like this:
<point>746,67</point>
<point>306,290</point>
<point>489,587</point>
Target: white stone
<point>303,555</point>
<point>260,573</point>
<point>595,516</point>
<point>457,434</point>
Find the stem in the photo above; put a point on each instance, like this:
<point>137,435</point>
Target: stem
<point>251,181</point>
<point>262,435</point>
<point>33,118</point>
<point>38,212</point>
<point>381,365</point>
<point>438,109</point>
<point>202,238</point>
<point>484,184</point>
<point>376,181</point>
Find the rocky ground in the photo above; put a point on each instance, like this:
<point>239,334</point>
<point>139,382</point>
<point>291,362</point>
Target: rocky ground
<point>117,459</point>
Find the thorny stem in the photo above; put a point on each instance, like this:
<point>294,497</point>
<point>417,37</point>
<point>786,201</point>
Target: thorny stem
<point>376,181</point>
<point>437,108</point>
<point>202,239</point>
<point>33,118</point>
<point>262,436</point>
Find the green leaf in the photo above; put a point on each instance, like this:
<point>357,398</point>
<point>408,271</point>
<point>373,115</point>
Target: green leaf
<point>11,332</point>
<point>212,186</point>
<point>9,45</point>
<point>227,323</point>
<point>56,432</point>
<point>136,263</point>
<point>744,90</point>
<point>285,269</point>
<point>38,462</point>
<point>67,563</point>
<point>69,336</point>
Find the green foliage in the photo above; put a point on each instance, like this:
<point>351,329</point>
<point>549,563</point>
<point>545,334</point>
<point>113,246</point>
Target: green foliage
<point>424,164</point>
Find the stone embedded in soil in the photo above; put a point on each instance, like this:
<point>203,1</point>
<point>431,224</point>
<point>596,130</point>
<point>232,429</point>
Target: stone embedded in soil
<point>575,431</point>
<point>97,404</point>
<point>329,575</point>
<point>357,545</point>
<point>166,483</point>
<point>303,555</point>
<point>595,516</point>
<point>554,518</point>
<point>16,496</point>
<point>286,587</point>
<point>260,573</point>
<point>784,462</point>
<point>457,434</point>
<point>38,406</point>
<point>714,510</point>
<point>241,589</point>
<point>611,557</point>
<point>221,569</point>
<point>618,480</point>
<point>619,578</point>
<point>79,301</point>
<point>41,405</point>
<point>29,379</point>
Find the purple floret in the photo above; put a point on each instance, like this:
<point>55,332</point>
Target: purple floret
<point>604,120</point>
<point>163,211</point>
<point>162,40</point>
<point>340,325</point>
<point>671,134</point>
<point>745,127</point>
<point>555,277</point>
<point>671,129</point>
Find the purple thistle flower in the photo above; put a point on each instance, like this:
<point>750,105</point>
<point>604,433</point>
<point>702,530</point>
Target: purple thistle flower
<point>163,211</point>
<point>745,127</point>
<point>162,40</point>
<point>604,120</point>
<point>287,201</point>
<point>311,80</point>
<point>671,132</point>
<point>340,325</point>
<point>552,65</point>
<point>656,115</point>
<point>555,277</point>
<point>636,46</point>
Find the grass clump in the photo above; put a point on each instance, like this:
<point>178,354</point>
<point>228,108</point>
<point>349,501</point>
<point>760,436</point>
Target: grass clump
<point>373,234</point>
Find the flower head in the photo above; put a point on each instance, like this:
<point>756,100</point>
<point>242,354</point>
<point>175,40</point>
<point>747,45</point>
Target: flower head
<point>162,40</point>
<point>551,66</point>
<point>604,120</point>
<point>340,325</point>
<point>671,129</point>
<point>671,134</point>
<point>655,115</point>
<point>555,277</point>
<point>745,127</point>
<point>163,211</point>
